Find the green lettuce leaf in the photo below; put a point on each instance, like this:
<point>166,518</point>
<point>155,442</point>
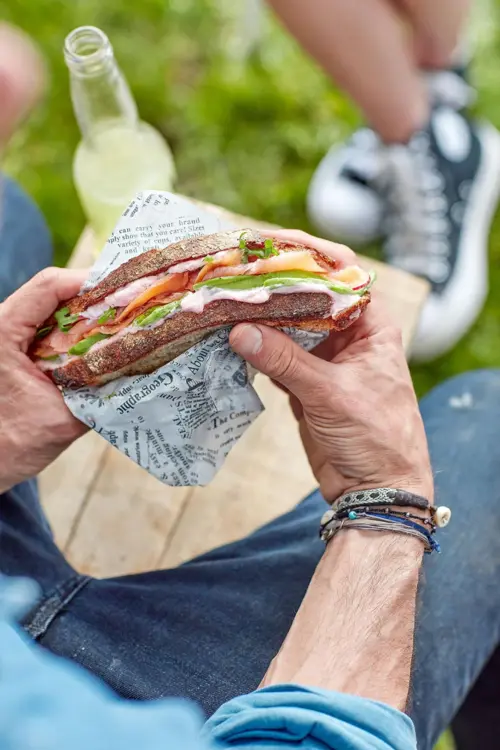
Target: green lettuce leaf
<point>64,319</point>
<point>85,344</point>
<point>156,313</point>
<point>108,315</point>
<point>278,278</point>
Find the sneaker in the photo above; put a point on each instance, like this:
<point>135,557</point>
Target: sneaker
<point>440,191</point>
<point>342,202</point>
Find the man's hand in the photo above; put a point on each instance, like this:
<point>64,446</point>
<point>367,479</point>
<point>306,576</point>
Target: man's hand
<point>35,424</point>
<point>357,410</point>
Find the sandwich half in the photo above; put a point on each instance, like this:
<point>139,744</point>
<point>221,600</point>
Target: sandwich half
<point>160,303</point>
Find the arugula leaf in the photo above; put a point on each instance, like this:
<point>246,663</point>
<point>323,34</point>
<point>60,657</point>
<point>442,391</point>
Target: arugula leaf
<point>43,331</point>
<point>108,315</point>
<point>242,241</point>
<point>52,357</point>
<point>64,319</point>
<point>269,248</point>
<point>258,252</point>
<point>84,345</point>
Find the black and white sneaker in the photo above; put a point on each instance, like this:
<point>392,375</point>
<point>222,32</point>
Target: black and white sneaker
<point>342,200</point>
<point>440,192</point>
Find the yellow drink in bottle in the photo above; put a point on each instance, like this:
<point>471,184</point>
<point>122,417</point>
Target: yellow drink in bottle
<point>118,155</point>
<point>119,163</point>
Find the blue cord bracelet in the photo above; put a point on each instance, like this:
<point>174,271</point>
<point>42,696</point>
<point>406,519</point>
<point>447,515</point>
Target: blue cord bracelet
<point>435,546</point>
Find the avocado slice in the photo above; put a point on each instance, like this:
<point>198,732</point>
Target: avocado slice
<point>278,278</point>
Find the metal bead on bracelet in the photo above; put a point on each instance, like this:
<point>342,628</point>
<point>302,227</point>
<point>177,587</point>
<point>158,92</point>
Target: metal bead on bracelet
<point>375,510</point>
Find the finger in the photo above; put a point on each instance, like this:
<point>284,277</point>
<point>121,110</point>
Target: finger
<point>276,355</point>
<point>333,250</point>
<point>374,319</point>
<point>34,302</point>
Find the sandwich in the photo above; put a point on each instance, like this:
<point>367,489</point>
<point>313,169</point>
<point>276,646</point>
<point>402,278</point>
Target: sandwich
<point>158,304</point>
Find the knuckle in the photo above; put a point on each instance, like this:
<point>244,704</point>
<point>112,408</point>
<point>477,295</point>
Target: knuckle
<point>393,335</point>
<point>283,363</point>
<point>47,278</point>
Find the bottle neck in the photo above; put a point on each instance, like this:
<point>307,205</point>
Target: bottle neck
<point>100,94</point>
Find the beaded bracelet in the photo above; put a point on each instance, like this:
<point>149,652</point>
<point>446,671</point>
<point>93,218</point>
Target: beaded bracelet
<point>355,512</point>
<point>385,497</point>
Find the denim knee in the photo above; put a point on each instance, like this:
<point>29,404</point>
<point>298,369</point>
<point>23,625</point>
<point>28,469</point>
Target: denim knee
<point>25,242</point>
<point>464,392</point>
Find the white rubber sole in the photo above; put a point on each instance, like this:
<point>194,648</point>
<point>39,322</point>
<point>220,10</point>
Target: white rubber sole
<point>447,317</point>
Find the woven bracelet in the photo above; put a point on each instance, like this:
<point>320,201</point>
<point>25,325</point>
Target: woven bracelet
<point>385,497</point>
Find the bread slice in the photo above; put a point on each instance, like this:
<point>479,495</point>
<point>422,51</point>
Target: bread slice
<point>160,260</point>
<point>144,351</point>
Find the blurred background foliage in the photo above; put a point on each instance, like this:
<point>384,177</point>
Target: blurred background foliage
<point>247,114</point>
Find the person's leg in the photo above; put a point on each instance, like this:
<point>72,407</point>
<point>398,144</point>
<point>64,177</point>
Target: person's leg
<point>458,619</point>
<point>208,629</point>
<point>26,544</point>
<point>437,29</point>
<point>205,630</point>
<point>427,176</point>
<point>25,244</point>
<point>366,52</point>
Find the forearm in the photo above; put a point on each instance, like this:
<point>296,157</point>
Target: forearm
<point>354,630</point>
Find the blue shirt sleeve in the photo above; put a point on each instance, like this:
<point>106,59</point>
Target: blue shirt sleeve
<point>48,702</point>
<point>292,716</point>
<point>51,703</point>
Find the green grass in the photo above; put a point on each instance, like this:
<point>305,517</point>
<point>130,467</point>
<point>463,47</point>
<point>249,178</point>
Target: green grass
<point>246,132</point>
<point>445,743</point>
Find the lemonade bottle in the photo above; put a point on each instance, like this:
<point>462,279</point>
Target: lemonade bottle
<point>119,155</point>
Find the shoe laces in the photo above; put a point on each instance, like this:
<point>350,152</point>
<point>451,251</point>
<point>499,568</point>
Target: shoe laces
<point>363,160</point>
<point>415,221</point>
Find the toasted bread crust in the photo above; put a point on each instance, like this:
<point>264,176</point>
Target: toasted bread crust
<point>146,350</point>
<point>159,260</point>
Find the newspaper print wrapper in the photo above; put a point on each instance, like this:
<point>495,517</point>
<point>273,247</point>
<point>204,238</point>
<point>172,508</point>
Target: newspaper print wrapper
<point>180,422</point>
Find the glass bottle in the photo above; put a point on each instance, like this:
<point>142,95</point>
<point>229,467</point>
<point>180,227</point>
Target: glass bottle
<point>119,155</point>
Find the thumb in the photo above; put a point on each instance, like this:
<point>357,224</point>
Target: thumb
<point>276,355</point>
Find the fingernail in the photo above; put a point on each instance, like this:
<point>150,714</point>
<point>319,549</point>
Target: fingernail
<point>247,340</point>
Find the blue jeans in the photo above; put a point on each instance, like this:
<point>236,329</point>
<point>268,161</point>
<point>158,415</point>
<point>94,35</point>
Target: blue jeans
<point>208,629</point>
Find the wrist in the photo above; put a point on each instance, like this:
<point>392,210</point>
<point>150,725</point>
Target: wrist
<point>362,600</point>
<point>386,549</point>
